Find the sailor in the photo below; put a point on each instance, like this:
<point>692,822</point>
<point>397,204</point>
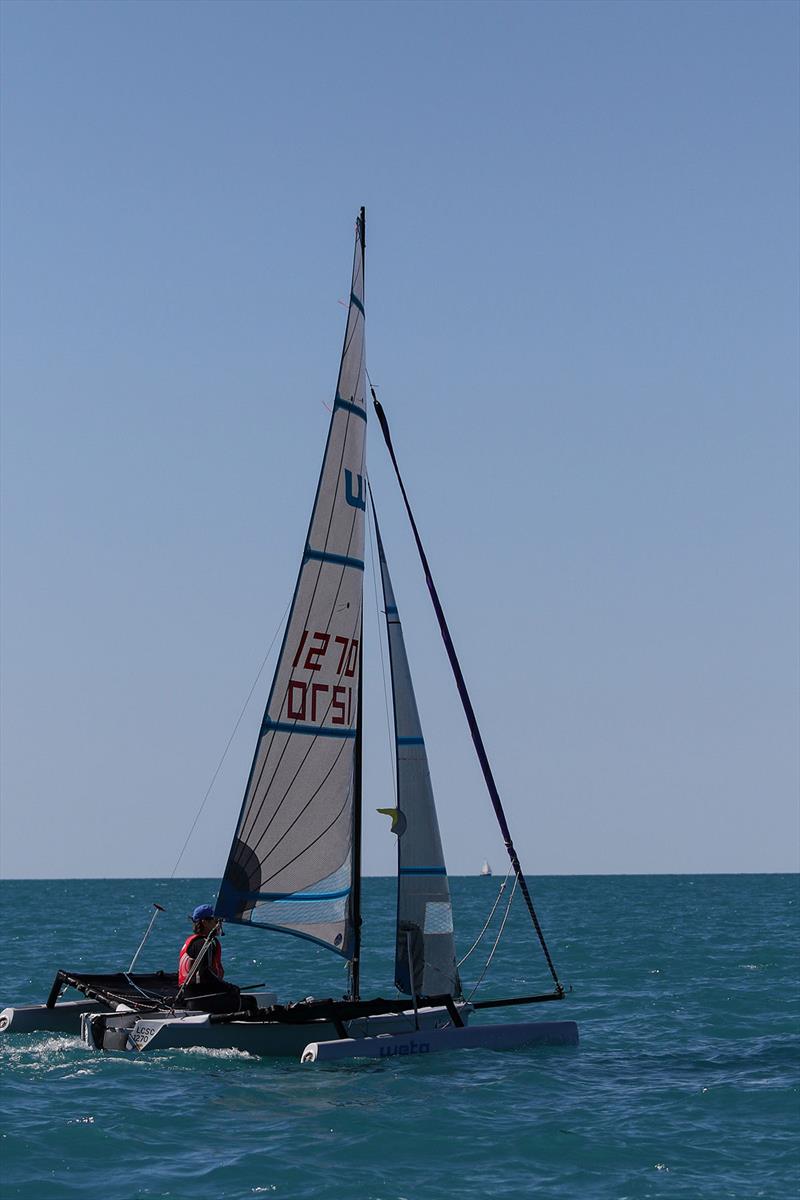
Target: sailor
<point>205,987</point>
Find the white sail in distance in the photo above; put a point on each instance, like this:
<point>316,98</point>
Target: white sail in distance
<point>291,864</point>
<point>425,955</point>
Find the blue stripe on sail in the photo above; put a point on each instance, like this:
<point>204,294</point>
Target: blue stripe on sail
<point>344,950</point>
<point>355,300</point>
<point>348,407</point>
<point>423,871</point>
<point>341,560</point>
<point>290,897</point>
<point>410,741</point>
<point>391,611</point>
<point>315,730</point>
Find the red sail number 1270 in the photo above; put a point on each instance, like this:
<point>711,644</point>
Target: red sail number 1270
<point>312,701</point>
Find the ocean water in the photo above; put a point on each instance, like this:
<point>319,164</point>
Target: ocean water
<point>686,1082</point>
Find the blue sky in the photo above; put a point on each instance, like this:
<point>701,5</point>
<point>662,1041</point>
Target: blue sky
<point>582,299</point>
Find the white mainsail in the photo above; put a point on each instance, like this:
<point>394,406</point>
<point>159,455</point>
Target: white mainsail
<point>291,864</point>
<point>425,955</point>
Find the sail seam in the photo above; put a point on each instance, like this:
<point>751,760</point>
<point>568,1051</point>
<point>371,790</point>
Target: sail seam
<point>313,730</point>
<point>348,406</point>
<point>422,870</point>
<point>308,937</point>
<point>291,897</point>
<point>341,560</point>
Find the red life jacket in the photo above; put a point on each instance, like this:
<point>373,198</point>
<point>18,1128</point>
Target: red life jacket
<point>186,964</point>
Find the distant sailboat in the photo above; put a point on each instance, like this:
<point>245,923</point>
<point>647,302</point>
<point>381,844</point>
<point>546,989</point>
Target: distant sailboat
<point>486,869</point>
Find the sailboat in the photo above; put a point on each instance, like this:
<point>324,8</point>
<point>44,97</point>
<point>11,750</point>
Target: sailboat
<point>294,864</point>
<point>485,868</point>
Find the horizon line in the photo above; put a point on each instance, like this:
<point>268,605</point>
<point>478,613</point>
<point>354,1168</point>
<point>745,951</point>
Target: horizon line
<point>451,875</point>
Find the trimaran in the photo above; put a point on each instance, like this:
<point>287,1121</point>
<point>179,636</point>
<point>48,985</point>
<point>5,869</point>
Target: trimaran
<point>294,863</point>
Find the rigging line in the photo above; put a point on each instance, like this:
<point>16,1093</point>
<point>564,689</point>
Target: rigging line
<point>378,610</point>
<point>496,940</point>
<point>466,702</point>
<point>147,995</point>
<point>427,965</point>
<point>230,739</point>
<point>488,920</point>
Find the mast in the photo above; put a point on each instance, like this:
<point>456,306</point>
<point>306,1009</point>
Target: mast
<point>469,712</point>
<point>355,962</point>
<point>355,895</point>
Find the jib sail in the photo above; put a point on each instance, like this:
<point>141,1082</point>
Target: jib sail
<point>425,956</point>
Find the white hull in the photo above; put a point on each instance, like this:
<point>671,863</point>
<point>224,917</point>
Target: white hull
<point>38,1018</point>
<point>420,1042</point>
<point>270,1039</point>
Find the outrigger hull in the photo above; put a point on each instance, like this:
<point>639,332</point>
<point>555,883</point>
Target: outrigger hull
<point>434,1041</point>
<point>105,994</point>
<point>98,994</point>
<point>38,1018</point>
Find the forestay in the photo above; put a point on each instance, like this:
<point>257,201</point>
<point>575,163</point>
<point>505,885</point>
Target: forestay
<point>425,956</point>
<point>291,863</point>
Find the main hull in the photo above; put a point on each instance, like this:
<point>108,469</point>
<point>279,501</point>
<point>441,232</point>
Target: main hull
<point>134,1033</point>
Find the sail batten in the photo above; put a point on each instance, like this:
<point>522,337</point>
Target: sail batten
<point>292,862</point>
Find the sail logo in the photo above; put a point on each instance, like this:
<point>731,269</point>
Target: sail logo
<point>354,499</point>
<point>411,1047</point>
